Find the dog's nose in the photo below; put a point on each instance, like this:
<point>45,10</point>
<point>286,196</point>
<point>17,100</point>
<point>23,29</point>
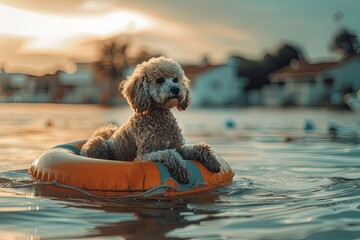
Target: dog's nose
<point>175,90</point>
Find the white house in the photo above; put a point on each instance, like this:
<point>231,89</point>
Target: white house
<point>305,84</point>
<point>216,85</point>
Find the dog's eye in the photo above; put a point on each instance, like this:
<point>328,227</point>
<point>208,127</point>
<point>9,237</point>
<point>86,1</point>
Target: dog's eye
<point>175,80</point>
<point>160,80</point>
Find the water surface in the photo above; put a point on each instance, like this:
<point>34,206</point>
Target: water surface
<point>289,183</point>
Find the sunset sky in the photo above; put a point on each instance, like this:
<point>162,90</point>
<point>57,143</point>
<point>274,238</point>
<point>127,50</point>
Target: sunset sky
<point>43,35</point>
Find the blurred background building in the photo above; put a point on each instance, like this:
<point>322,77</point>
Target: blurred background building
<point>79,51</point>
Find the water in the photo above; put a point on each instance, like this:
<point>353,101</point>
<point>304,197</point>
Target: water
<point>289,183</point>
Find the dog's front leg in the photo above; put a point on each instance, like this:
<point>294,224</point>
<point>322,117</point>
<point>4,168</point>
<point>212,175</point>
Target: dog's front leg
<point>202,153</point>
<point>172,160</point>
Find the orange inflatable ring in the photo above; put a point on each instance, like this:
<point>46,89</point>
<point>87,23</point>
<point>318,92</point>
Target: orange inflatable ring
<point>63,165</point>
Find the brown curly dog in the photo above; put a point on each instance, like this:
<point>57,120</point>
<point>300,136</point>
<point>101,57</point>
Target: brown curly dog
<point>152,132</point>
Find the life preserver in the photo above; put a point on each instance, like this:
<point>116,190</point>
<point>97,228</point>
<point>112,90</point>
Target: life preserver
<point>63,164</point>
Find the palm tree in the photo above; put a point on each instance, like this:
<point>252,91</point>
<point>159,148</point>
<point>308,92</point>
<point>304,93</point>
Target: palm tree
<point>108,69</point>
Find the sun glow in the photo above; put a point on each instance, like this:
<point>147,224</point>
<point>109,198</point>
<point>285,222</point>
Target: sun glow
<point>46,43</point>
<point>48,31</point>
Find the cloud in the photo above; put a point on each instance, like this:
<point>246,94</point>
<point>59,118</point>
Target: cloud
<point>31,24</point>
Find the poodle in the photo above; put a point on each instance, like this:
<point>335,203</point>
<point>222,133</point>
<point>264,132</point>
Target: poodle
<point>152,132</point>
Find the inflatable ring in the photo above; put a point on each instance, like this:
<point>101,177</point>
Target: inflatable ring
<point>64,166</point>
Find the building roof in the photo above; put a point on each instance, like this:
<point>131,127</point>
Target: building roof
<point>193,71</point>
<point>303,68</point>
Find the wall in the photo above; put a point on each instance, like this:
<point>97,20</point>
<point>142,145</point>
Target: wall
<point>347,74</point>
<point>217,87</point>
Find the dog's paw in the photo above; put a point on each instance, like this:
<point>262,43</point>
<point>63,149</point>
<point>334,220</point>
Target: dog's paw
<point>211,163</point>
<point>205,155</point>
<point>182,174</point>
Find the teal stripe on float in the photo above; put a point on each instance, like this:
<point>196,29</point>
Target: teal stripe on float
<point>195,180</point>
<point>75,150</point>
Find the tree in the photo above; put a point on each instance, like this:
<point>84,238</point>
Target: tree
<point>109,69</point>
<point>285,54</point>
<point>112,60</point>
<point>345,43</point>
<point>257,71</point>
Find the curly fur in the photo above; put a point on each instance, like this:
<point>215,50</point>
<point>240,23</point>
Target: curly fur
<point>152,132</point>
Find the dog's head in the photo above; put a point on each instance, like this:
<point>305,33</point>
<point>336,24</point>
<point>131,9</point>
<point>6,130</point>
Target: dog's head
<point>158,82</point>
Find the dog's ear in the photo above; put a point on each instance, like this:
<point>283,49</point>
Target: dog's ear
<point>185,103</point>
<point>134,89</point>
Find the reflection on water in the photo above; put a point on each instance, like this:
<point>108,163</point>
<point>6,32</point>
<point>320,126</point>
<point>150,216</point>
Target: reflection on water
<point>290,183</point>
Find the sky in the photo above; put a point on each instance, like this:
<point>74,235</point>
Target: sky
<point>42,36</point>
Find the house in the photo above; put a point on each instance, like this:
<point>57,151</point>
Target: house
<point>320,84</point>
<point>216,85</point>
<point>17,87</point>
<point>79,87</point>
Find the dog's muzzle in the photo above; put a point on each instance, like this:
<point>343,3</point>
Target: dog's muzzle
<point>175,90</point>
